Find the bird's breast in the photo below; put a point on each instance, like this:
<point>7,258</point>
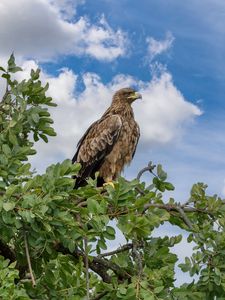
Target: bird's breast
<point>121,153</point>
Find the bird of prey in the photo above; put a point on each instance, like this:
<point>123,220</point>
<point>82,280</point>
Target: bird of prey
<point>110,142</point>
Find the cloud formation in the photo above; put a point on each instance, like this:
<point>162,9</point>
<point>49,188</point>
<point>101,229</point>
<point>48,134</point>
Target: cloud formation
<point>45,29</point>
<point>157,47</point>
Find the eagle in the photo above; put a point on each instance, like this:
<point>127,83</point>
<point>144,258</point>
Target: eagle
<point>110,142</point>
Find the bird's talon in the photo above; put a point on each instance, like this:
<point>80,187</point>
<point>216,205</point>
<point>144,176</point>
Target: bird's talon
<point>109,183</point>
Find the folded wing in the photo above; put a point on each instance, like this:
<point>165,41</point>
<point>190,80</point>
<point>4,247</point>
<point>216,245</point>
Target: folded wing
<point>97,142</point>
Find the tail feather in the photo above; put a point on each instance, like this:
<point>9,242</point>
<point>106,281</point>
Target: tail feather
<point>80,181</point>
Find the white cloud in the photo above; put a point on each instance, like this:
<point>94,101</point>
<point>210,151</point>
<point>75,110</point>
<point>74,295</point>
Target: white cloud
<point>157,47</point>
<point>161,114</point>
<point>42,29</point>
<point>67,8</point>
<point>164,110</point>
<point>104,43</point>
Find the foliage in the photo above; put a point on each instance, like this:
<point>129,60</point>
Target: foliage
<point>55,240</point>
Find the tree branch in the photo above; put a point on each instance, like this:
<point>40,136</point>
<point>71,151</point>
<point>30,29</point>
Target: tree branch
<point>28,260</point>
<point>184,217</point>
<point>86,266</point>
<point>99,296</point>
<point>149,168</point>
<point>98,265</point>
<point>137,257</point>
<point>174,207</point>
<point>119,250</point>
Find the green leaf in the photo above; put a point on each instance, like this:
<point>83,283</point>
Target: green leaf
<point>162,175</point>
<point>102,244</point>
<point>2,69</point>
<point>12,138</point>
<point>49,131</point>
<point>158,289</point>
<point>51,104</point>
<point>6,149</point>
<point>169,186</point>
<point>2,184</point>
<point>65,167</point>
<point>14,69</point>
<point>92,205</point>
<point>35,136</point>
<point>110,230</point>
<point>11,190</point>
<point>12,123</point>
<point>35,74</point>
<point>11,61</point>
<point>8,206</point>
<point>217,271</point>
<point>44,137</point>
<point>35,117</point>
<point>6,76</point>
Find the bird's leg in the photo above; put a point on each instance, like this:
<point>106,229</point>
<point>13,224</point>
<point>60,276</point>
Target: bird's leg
<point>108,181</point>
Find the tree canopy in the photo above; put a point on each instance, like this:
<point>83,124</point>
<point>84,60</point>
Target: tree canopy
<point>55,240</point>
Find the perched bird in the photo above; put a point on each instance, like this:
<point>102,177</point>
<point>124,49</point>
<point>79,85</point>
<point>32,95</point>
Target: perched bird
<point>110,142</point>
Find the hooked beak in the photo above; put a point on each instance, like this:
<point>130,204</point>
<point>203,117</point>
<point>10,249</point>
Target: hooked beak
<point>135,96</point>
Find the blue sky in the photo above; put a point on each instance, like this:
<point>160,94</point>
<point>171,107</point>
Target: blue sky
<point>174,53</point>
<point>197,58</point>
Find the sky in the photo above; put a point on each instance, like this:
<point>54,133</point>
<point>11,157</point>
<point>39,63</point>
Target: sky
<point>172,51</point>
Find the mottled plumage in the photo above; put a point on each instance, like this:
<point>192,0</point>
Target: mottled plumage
<point>109,143</point>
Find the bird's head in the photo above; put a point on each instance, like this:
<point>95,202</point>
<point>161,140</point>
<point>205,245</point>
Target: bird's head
<point>127,94</point>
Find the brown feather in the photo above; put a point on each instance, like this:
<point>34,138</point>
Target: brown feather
<point>109,143</point>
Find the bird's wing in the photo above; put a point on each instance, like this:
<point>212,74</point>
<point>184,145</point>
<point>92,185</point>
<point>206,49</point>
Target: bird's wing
<point>96,144</point>
<point>136,136</point>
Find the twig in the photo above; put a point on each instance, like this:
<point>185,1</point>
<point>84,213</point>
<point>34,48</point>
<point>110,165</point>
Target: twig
<point>99,296</point>
<point>170,207</point>
<point>184,217</point>
<point>86,267</point>
<point>149,168</point>
<point>137,257</point>
<point>178,208</point>
<point>98,265</point>
<point>119,250</point>
<point>186,203</point>
<point>82,204</point>
<point>189,224</point>
<point>122,274</point>
<point>28,260</point>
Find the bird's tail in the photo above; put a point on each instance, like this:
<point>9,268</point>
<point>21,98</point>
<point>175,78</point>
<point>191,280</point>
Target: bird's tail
<point>80,181</point>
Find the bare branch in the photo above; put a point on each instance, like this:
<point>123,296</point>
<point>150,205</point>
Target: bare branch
<point>86,267</point>
<point>99,296</point>
<point>174,207</point>
<point>98,265</point>
<point>119,250</point>
<point>28,260</point>
<point>184,217</point>
<point>149,168</point>
<point>137,257</point>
